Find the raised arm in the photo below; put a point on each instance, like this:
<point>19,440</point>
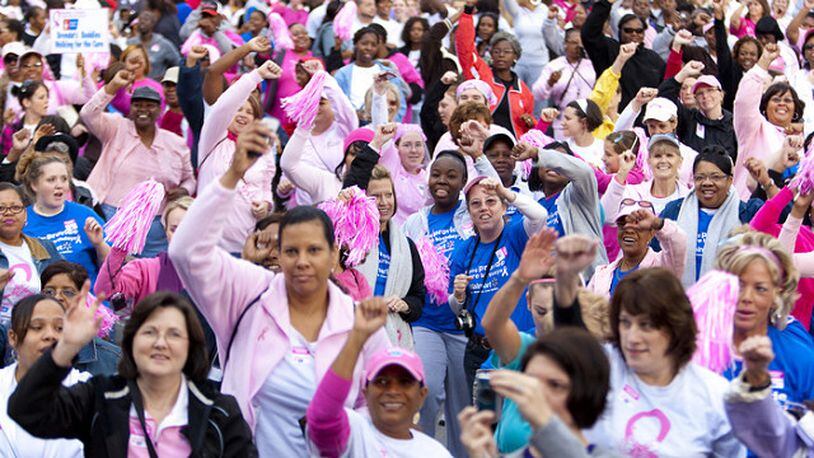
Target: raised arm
<point>600,49</point>
<point>220,284</point>
<point>131,279</point>
<point>469,59</point>
<point>769,214</point>
<point>213,81</point>
<point>344,114</point>
<point>327,421</point>
<point>535,263</point>
<point>100,124</point>
<point>190,82</point>
<point>317,182</point>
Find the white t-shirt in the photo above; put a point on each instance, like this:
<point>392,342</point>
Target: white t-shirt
<point>26,280</point>
<point>24,445</point>
<point>687,158</point>
<point>592,154</point>
<point>683,419</point>
<point>393,29</point>
<point>366,441</point>
<point>283,399</point>
<point>361,81</point>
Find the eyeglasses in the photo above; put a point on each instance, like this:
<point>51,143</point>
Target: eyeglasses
<point>171,335</point>
<point>67,293</point>
<point>715,178</point>
<point>808,47</point>
<point>30,66</point>
<point>642,203</point>
<point>632,30</point>
<point>14,209</point>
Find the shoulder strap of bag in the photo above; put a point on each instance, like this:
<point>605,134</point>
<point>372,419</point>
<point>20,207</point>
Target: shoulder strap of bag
<point>237,326</point>
<point>136,395</point>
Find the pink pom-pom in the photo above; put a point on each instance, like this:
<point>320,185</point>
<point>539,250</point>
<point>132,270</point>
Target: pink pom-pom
<point>714,299</point>
<point>536,138</point>
<point>279,32</point>
<point>804,180</point>
<point>109,318</point>
<point>356,223</point>
<point>302,107</point>
<point>343,21</point>
<point>436,271</point>
<point>128,228</point>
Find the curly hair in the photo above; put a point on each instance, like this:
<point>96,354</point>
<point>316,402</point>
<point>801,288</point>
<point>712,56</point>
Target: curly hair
<point>465,112</point>
<point>747,246</point>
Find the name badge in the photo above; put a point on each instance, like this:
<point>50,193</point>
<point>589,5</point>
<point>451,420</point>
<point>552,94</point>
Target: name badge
<point>700,130</point>
<point>137,441</point>
<point>778,380</point>
<point>300,354</point>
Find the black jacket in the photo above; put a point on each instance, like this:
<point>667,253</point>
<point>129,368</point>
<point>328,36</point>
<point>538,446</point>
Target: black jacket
<point>644,69</point>
<point>97,413</point>
<point>716,131</point>
<point>430,119</point>
<point>730,72</point>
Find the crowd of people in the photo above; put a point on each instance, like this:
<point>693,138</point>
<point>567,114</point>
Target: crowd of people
<point>368,228</point>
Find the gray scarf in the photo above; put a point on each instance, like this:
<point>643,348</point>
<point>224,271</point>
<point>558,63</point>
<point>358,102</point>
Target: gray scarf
<point>723,221</point>
<point>399,278</point>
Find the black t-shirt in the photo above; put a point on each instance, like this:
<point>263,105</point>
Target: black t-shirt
<point>502,116</point>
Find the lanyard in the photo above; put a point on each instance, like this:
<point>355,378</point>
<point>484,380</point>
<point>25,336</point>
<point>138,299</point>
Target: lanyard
<point>488,267</point>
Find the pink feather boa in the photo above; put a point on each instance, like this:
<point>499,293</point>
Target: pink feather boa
<point>279,32</point>
<point>356,223</point>
<point>302,107</point>
<point>108,317</point>
<point>436,271</point>
<point>343,22</point>
<point>714,299</point>
<point>128,228</point>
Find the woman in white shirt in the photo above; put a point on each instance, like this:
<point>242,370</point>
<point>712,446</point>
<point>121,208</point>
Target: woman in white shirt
<point>660,403</point>
<point>36,325</point>
<point>579,120</point>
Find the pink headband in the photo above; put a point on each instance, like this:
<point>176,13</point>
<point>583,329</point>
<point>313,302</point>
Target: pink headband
<point>752,249</point>
<point>543,281</point>
<point>481,87</point>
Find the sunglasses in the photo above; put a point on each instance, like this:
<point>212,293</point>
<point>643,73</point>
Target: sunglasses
<point>632,30</point>
<point>641,203</point>
<point>808,47</point>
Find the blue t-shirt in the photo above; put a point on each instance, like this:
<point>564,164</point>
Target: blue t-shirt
<point>619,275</point>
<point>505,261</point>
<point>513,431</point>
<point>553,221</point>
<point>442,233</point>
<point>792,370</point>
<point>384,267</point>
<point>704,218</point>
<point>67,231</point>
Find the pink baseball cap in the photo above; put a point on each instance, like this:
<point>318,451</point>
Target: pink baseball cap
<point>395,356</point>
<point>706,80</point>
<point>472,183</point>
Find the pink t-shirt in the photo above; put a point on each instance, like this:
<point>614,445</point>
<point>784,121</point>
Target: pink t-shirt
<point>167,437</point>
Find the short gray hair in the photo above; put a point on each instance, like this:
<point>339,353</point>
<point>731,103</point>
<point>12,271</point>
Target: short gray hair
<point>506,36</point>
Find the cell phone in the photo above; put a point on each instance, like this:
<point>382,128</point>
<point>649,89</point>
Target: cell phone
<point>269,140</point>
<point>485,397</point>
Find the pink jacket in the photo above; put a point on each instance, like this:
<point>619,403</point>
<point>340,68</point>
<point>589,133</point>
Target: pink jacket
<point>137,279</point>
<point>672,257</point>
<point>796,239</point>
<point>215,152</point>
<point>223,286</point>
<point>125,161</point>
<point>757,137</point>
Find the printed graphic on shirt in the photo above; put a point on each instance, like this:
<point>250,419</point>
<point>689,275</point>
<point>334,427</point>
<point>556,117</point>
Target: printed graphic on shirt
<point>18,287</point>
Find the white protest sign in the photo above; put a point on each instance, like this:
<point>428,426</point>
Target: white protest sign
<point>79,30</point>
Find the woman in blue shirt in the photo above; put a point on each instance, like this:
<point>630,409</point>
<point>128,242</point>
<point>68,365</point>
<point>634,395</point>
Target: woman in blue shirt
<point>74,229</point>
<point>768,290</point>
<point>483,263</point>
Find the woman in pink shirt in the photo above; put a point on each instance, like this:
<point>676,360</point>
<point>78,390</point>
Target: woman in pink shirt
<point>288,83</point>
<point>159,403</point>
<point>287,327</point>
<point>236,109</point>
<point>743,22</point>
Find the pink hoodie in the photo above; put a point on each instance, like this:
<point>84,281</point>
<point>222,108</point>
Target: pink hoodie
<point>215,151</point>
<point>757,137</point>
<point>223,286</point>
<point>801,239</point>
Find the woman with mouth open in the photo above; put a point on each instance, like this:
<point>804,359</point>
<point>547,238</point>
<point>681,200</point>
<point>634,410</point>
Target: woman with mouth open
<point>483,263</point>
<point>638,224</point>
<point>710,212</point>
<point>762,123</point>
<point>768,288</point>
<point>236,108</point>
<point>36,325</point>
<point>277,333</point>
<point>75,229</point>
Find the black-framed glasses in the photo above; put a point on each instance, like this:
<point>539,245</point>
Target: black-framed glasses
<point>808,47</point>
<point>13,209</point>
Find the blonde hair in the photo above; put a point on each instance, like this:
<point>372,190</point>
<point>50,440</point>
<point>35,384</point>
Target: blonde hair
<point>735,256</point>
<point>132,48</point>
<point>183,202</point>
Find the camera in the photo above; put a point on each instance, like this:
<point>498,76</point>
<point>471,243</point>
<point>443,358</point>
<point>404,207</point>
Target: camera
<point>485,397</point>
<point>465,322</point>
